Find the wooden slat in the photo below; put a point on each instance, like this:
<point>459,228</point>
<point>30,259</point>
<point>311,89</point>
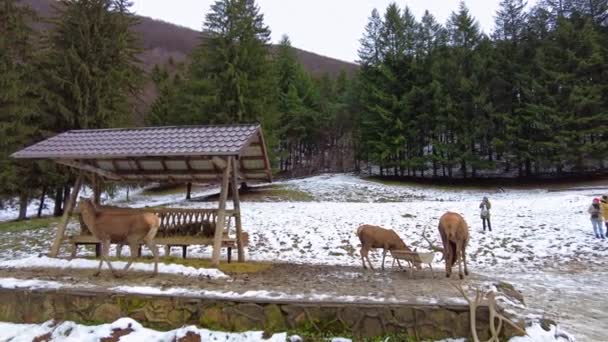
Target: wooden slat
<point>89,168</point>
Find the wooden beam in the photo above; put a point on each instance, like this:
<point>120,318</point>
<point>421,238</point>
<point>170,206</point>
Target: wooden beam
<point>145,173</point>
<point>66,216</point>
<point>89,168</point>
<point>221,217</point>
<point>263,170</point>
<point>96,189</point>
<point>252,158</point>
<point>167,158</point>
<point>237,209</point>
<point>219,163</point>
<point>265,153</point>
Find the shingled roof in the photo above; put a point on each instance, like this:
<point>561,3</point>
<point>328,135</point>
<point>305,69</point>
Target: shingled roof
<point>157,153</point>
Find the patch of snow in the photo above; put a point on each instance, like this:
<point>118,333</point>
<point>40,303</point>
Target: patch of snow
<point>14,283</point>
<point>72,332</point>
<point>268,295</point>
<point>536,333</point>
<point>46,262</point>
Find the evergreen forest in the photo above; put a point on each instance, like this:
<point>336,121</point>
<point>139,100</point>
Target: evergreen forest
<point>428,99</point>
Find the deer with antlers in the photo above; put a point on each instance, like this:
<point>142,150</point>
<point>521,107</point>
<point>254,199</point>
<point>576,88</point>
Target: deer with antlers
<point>378,237</point>
<point>454,232</point>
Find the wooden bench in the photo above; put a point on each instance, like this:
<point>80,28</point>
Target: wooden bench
<point>179,228</point>
<point>168,242</point>
<point>413,257</point>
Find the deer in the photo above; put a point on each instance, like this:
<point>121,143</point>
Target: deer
<point>454,232</point>
<point>378,237</point>
<point>131,228</point>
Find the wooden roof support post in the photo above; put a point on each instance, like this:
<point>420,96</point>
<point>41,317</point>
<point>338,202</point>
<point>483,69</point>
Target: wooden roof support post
<point>96,189</point>
<point>221,216</point>
<point>237,210</point>
<point>66,216</point>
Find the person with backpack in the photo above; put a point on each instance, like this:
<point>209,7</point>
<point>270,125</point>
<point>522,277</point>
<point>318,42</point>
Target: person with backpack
<point>596,218</point>
<point>485,213</point>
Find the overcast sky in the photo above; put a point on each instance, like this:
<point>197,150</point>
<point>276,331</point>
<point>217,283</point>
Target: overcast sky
<point>327,27</point>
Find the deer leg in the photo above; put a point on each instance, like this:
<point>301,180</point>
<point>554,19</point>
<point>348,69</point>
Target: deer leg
<point>105,256</point>
<point>464,259</point>
<point>134,248</point>
<point>154,250</point>
<point>459,259</point>
<point>119,250</point>
<point>448,260</point>
<point>383,257</point>
<point>101,259</point>
<point>363,253</point>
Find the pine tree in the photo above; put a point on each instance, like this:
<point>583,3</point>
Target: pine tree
<point>464,36</point>
<point>233,63</point>
<point>92,67</point>
<point>19,114</point>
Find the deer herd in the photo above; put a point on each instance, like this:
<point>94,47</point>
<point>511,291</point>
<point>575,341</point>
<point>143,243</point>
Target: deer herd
<point>134,228</point>
<point>454,233</point>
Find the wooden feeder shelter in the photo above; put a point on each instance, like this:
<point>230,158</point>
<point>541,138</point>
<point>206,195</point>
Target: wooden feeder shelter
<point>228,154</point>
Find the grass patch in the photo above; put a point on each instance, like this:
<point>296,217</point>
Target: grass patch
<point>37,223</point>
<point>410,183</point>
<point>229,268</point>
<point>271,193</point>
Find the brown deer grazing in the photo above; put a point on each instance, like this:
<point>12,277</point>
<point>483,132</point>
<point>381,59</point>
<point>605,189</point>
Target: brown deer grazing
<point>454,233</point>
<point>129,228</point>
<point>378,237</point>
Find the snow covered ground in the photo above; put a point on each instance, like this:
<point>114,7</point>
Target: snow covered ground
<point>135,332</point>
<point>46,262</point>
<point>541,241</point>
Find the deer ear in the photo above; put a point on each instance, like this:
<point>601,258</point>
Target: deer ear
<point>415,249</point>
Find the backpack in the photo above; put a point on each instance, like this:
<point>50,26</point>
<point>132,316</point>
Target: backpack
<point>484,212</point>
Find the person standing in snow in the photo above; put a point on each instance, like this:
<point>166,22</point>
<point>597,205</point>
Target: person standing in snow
<point>485,213</point>
<point>596,218</point>
<point>604,207</point>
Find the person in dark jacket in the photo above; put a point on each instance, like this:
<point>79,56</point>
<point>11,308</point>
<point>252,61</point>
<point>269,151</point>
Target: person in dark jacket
<point>596,218</point>
<point>485,207</point>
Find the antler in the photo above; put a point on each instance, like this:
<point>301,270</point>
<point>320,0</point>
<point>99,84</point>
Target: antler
<point>490,298</point>
<point>433,247</point>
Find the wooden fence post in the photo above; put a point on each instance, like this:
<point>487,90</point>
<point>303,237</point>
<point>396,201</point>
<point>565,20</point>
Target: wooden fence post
<point>221,216</point>
<point>67,212</point>
<point>237,211</point>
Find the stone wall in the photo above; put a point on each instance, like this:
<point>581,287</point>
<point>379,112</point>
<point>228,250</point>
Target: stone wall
<point>164,313</point>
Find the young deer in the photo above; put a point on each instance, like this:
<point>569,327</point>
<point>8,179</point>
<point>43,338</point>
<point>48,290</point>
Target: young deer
<point>129,228</point>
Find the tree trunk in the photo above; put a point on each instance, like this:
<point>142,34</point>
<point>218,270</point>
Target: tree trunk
<point>58,211</point>
<point>41,205</point>
<point>66,196</point>
<point>189,191</point>
<point>23,201</point>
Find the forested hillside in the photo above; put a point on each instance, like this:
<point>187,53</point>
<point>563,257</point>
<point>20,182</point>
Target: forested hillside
<point>162,40</point>
<point>427,99</point>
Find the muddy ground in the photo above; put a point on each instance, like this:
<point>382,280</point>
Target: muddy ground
<point>303,280</point>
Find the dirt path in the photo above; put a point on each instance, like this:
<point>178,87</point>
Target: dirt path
<point>303,281</point>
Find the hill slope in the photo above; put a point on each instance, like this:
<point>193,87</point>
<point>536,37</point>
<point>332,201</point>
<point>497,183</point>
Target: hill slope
<point>162,40</point>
